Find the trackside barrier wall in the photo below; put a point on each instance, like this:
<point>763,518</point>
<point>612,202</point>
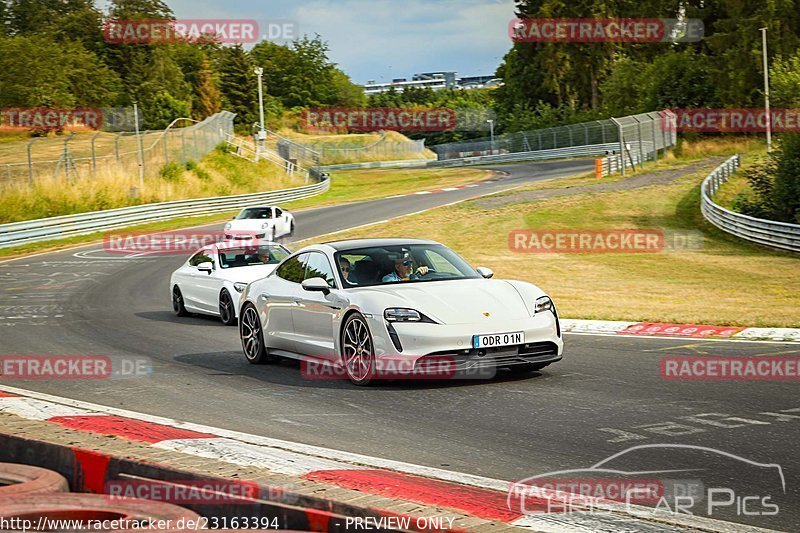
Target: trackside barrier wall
<point>780,235</point>
<point>89,471</point>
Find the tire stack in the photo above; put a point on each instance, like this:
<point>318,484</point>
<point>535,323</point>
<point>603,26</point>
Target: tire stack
<point>37,494</point>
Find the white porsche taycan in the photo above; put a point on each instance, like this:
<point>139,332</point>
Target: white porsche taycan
<point>412,306</point>
<point>212,279</point>
<point>263,222</point>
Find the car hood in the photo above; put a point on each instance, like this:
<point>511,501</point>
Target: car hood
<point>245,274</point>
<point>455,302</point>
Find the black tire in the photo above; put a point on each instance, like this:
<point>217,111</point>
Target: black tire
<point>177,302</point>
<point>272,235</point>
<point>356,345</point>
<point>291,228</point>
<point>528,368</point>
<point>252,336</point>
<point>226,311</point>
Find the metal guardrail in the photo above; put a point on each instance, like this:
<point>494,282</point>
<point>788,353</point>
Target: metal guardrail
<point>45,229</point>
<point>770,233</point>
<point>536,155</point>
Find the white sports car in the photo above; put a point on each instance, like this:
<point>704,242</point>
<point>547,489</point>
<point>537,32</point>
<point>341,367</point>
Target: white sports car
<point>379,308</point>
<point>264,222</point>
<point>212,279</point>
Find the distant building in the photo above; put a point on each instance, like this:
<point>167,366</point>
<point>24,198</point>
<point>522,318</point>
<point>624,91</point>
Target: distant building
<point>432,80</point>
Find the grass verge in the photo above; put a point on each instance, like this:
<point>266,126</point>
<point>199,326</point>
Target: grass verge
<point>346,186</point>
<point>727,282</point>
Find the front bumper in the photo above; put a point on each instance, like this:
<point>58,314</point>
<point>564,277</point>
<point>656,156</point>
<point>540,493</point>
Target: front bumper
<point>421,346</point>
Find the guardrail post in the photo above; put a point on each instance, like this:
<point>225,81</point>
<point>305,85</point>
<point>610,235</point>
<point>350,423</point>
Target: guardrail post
<point>116,146</point>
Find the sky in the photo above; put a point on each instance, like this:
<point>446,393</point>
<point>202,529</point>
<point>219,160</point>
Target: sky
<point>384,39</point>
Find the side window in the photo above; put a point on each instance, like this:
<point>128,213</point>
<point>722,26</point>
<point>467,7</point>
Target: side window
<point>318,266</point>
<point>278,212</point>
<point>203,256</point>
<point>293,269</point>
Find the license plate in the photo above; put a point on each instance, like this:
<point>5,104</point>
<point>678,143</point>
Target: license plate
<point>498,339</point>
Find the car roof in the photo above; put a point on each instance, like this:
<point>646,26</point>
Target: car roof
<point>233,245</point>
<point>373,243</point>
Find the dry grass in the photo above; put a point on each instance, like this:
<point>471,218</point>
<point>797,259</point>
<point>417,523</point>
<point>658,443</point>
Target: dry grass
<point>218,174</point>
<point>727,282</point>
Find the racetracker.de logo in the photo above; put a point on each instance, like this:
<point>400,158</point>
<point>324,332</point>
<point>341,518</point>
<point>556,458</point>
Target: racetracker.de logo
<point>378,118</point>
<point>65,367</point>
<point>596,30</point>
<point>586,241</point>
<point>733,120</point>
<point>431,367</point>
<point>171,242</point>
<point>190,492</point>
<point>718,368</point>
<point>149,31</point>
<point>51,118</point>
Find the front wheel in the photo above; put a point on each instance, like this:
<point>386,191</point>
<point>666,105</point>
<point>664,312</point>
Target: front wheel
<point>358,353</point>
<point>226,311</point>
<point>177,302</point>
<point>252,337</point>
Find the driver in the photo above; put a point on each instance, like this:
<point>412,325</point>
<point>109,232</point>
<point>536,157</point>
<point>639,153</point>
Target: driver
<point>404,270</point>
<point>264,256</point>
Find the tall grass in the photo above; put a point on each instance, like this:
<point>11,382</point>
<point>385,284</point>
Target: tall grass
<point>217,174</point>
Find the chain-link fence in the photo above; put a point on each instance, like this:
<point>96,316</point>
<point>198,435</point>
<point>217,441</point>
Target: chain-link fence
<point>329,152</point>
<point>80,156</point>
<point>639,137</point>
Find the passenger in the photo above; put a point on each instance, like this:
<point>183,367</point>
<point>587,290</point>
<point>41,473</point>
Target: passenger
<point>404,271</point>
<point>264,256</point>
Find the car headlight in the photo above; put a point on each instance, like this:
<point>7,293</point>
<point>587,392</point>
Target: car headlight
<point>402,315</point>
<point>543,304</point>
<point>239,286</point>
<point>228,226</point>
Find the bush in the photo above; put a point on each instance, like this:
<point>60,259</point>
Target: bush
<point>171,172</point>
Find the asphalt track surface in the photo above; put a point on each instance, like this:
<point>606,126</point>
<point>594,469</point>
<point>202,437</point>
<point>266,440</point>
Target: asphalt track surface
<point>606,395</point>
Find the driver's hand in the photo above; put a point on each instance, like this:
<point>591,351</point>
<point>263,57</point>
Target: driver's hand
<point>422,270</point>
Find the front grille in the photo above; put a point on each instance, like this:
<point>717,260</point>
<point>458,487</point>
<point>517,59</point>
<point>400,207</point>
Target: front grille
<point>534,352</point>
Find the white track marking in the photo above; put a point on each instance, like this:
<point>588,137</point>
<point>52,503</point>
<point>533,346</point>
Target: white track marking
<point>244,454</point>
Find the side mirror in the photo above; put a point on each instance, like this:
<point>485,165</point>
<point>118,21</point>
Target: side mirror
<point>207,267</point>
<point>485,272</point>
<point>316,285</point>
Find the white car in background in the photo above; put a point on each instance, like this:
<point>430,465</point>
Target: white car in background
<point>212,279</point>
<point>261,222</point>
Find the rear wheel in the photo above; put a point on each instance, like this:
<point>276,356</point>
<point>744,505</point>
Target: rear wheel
<point>358,353</point>
<point>252,337</point>
<point>226,311</point>
<point>177,302</point>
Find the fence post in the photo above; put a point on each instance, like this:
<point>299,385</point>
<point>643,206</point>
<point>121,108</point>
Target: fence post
<point>116,146</point>
<point>653,124</point>
<point>621,144</point>
<point>94,154</point>
<point>30,160</point>
<point>183,145</point>
<point>641,142</point>
<point>166,147</point>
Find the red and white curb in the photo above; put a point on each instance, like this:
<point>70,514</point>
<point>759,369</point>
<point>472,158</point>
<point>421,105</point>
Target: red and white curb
<point>467,494</point>
<point>681,331</point>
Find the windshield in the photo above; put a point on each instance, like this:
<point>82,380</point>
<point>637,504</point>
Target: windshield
<point>413,263</point>
<point>250,256</point>
<point>255,213</point>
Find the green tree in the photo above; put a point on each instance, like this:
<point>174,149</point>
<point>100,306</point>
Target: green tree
<point>37,71</point>
<point>208,99</point>
<point>787,179</point>
<point>140,10</point>
<point>238,85</point>
<point>162,108</point>
<point>785,81</point>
